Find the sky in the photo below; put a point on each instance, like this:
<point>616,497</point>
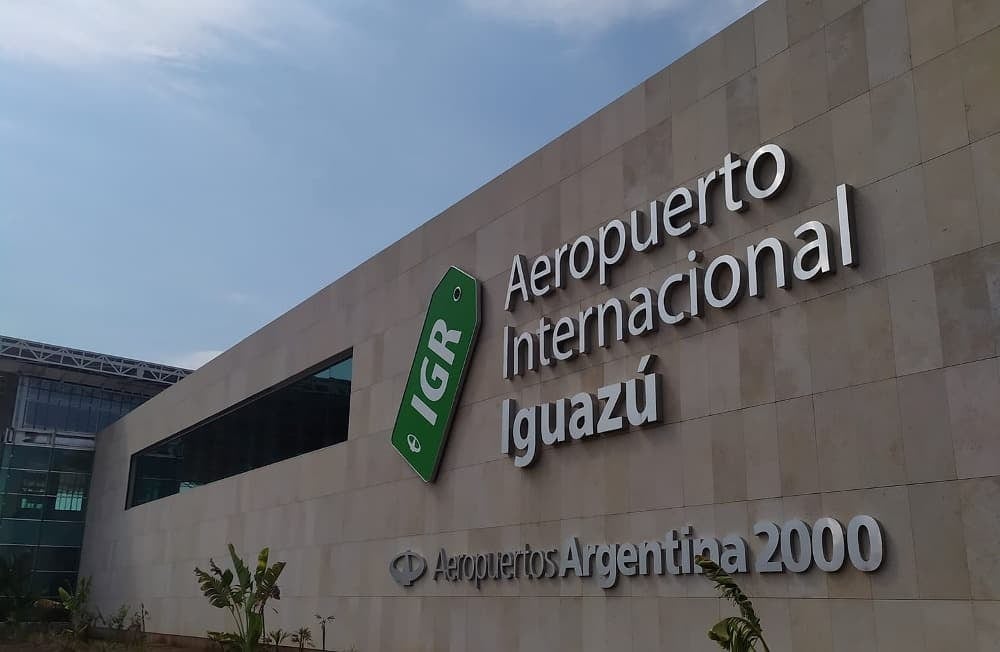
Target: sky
<point>174,174</point>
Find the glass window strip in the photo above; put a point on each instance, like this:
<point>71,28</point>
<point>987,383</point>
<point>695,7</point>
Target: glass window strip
<point>301,416</point>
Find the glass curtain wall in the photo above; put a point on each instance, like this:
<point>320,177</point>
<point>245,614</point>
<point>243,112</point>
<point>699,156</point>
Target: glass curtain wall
<point>45,466</point>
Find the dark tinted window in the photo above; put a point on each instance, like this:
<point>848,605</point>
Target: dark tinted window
<point>26,457</point>
<point>57,559</point>
<point>19,532</point>
<point>20,554</point>
<point>54,533</point>
<point>43,583</point>
<point>72,460</point>
<point>23,482</point>
<point>305,415</point>
<point>21,506</point>
<point>55,405</point>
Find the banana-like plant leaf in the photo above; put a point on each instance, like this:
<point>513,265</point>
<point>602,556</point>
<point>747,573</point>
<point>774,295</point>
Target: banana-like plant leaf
<point>267,583</point>
<point>246,600</point>
<point>242,572</point>
<point>261,564</point>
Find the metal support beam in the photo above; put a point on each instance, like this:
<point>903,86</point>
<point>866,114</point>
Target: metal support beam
<point>99,363</point>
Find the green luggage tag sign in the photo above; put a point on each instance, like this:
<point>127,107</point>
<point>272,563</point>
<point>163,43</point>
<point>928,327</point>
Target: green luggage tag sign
<point>440,363</point>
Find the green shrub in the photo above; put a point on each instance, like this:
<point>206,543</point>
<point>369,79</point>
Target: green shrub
<point>245,600</point>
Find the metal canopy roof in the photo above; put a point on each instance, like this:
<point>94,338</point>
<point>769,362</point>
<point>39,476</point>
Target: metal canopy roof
<point>88,361</point>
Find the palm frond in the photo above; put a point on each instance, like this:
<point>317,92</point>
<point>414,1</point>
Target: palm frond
<point>226,640</point>
<point>217,588</point>
<point>729,589</point>
<point>737,633</point>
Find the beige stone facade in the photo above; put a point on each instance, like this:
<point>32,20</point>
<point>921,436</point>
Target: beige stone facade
<point>872,391</point>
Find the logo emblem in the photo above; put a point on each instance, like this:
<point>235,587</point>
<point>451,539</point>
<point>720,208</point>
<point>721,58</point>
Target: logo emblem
<point>413,442</point>
<point>440,363</point>
<point>407,567</point>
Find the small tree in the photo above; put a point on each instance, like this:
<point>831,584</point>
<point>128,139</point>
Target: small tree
<point>302,636</point>
<point>137,624</point>
<point>322,626</point>
<point>736,633</point>
<point>117,620</point>
<point>246,600</point>
<point>277,637</point>
<point>15,588</point>
<point>77,604</point>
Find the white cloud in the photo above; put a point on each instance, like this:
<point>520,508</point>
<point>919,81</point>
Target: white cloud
<point>193,360</point>
<point>595,15</point>
<point>76,33</point>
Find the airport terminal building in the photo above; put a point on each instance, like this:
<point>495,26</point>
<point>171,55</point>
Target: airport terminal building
<point>53,399</point>
<point>749,310</point>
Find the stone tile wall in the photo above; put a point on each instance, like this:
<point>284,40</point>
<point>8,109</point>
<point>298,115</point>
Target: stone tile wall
<point>872,391</point>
